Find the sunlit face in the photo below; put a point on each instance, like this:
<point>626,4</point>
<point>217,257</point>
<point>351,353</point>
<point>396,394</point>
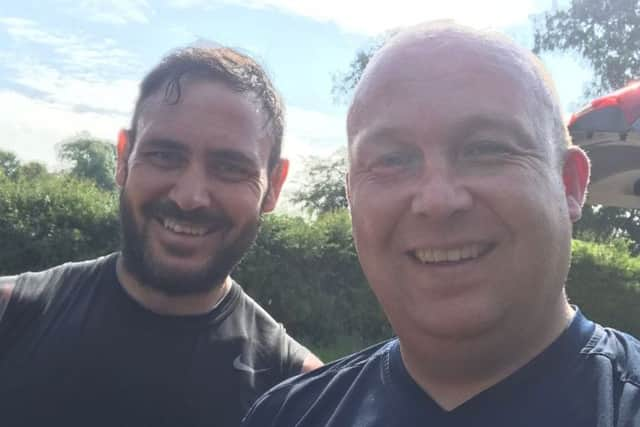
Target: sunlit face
<point>459,211</point>
<point>194,187</point>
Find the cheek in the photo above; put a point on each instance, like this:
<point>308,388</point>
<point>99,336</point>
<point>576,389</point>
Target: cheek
<point>375,215</point>
<point>243,204</point>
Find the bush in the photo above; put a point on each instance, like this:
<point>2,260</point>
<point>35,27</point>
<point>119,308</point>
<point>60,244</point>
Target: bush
<point>307,275</point>
<point>604,282</point>
<point>53,219</point>
<point>304,272</point>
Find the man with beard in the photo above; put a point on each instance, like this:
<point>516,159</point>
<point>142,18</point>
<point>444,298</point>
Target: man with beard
<point>159,334</point>
<point>463,186</point>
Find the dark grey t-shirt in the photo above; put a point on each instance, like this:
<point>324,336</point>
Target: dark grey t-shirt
<point>76,350</point>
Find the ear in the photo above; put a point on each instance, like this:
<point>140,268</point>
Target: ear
<point>277,177</point>
<point>575,174</point>
<point>123,157</point>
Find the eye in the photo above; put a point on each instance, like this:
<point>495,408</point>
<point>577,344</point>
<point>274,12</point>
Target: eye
<point>487,148</point>
<point>231,171</point>
<point>165,158</point>
<point>392,161</point>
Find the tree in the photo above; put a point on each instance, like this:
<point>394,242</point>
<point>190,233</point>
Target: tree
<point>345,82</point>
<point>14,170</point>
<point>9,164</point>
<point>91,159</point>
<point>53,218</point>
<point>31,170</point>
<point>323,188</point>
<point>605,33</point>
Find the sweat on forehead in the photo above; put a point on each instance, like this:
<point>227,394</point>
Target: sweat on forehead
<point>439,50</point>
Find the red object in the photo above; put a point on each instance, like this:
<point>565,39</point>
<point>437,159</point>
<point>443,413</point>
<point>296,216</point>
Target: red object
<point>617,112</point>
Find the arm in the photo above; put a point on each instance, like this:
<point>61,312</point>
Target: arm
<point>310,363</point>
<point>6,290</point>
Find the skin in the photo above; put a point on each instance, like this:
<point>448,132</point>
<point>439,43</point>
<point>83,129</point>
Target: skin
<point>453,151</point>
<point>207,156</point>
<point>215,171</point>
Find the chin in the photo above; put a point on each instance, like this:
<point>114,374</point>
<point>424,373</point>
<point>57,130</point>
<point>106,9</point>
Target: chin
<point>454,321</point>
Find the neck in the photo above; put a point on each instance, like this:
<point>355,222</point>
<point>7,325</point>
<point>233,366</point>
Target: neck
<point>170,305</point>
<point>453,371</point>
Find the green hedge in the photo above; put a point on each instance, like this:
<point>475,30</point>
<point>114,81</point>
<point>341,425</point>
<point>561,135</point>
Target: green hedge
<point>53,219</point>
<point>304,272</point>
<point>604,282</point>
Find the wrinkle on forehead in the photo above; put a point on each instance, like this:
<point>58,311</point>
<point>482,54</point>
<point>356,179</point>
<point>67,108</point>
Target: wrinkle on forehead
<point>444,52</point>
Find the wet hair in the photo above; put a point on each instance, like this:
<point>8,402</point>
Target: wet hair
<point>237,71</point>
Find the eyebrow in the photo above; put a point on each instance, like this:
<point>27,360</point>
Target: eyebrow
<point>462,128</point>
<point>221,154</point>
<point>486,122</point>
<point>233,156</point>
<point>166,143</point>
<point>380,137</point>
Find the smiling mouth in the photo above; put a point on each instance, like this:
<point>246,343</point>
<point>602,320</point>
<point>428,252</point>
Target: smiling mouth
<point>187,229</point>
<point>453,255</point>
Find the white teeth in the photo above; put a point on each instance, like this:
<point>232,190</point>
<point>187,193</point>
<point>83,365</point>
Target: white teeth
<point>466,252</point>
<point>451,255</point>
<point>184,228</point>
<point>454,255</point>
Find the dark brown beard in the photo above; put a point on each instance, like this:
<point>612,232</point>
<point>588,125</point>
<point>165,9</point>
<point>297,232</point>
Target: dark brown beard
<point>139,261</point>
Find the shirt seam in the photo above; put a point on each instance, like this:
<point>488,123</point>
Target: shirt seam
<point>624,377</point>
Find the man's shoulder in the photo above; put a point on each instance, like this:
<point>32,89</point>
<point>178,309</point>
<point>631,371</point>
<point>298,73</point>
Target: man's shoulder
<point>331,381</point>
<point>265,338</point>
<point>46,283</point>
<point>68,267</point>
<point>620,350</point>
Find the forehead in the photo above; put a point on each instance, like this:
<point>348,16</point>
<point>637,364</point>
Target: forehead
<point>431,87</point>
<point>207,114</point>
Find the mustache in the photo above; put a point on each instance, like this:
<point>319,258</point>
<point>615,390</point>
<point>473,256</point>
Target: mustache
<point>200,216</point>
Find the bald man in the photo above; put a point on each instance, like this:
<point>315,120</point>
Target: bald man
<point>463,187</point>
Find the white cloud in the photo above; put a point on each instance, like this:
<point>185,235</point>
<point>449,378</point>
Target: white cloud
<point>26,29</point>
<point>71,50</point>
<point>69,89</point>
<point>31,128</point>
<point>116,12</point>
<point>78,72</point>
<point>311,132</point>
<point>367,17</point>
<point>89,92</point>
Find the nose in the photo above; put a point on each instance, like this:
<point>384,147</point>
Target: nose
<point>439,194</point>
<point>192,189</point>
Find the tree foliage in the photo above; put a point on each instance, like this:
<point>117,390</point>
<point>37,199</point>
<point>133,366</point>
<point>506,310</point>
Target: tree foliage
<point>307,275</point>
<point>605,33</point>
<point>91,159</point>
<point>345,82</point>
<point>323,187</point>
<point>49,218</point>
<point>9,164</point>
<point>304,272</point>
<point>604,282</point>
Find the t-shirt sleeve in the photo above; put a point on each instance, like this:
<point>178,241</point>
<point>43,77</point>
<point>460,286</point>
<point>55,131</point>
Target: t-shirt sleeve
<point>294,355</point>
<point>20,304</point>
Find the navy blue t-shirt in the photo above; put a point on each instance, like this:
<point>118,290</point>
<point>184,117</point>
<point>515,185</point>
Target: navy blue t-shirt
<point>589,376</point>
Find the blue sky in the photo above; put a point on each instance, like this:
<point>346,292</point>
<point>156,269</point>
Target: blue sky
<point>68,66</point>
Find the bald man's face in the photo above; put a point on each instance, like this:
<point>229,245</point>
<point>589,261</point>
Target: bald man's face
<point>459,211</point>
